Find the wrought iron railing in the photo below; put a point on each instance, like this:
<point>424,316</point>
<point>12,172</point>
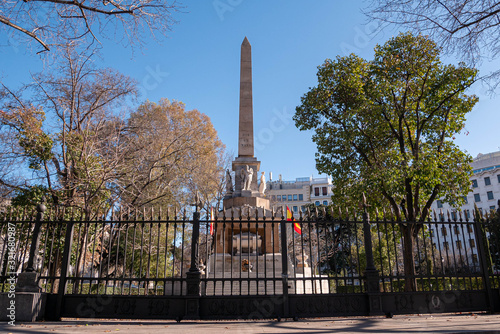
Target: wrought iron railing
<point>151,254</point>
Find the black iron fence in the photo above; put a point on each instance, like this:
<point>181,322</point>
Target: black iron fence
<point>178,266</point>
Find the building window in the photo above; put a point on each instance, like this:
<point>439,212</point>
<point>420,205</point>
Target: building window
<point>303,208</point>
<point>492,207</point>
<point>325,202</point>
<point>459,244</point>
<point>439,204</point>
<point>443,231</point>
<point>498,177</point>
<point>432,233</point>
<point>487,181</point>
<point>489,194</point>
<point>289,198</point>
<point>295,209</point>
<point>325,191</point>
<point>301,197</point>
<point>472,243</point>
<point>454,215</point>
<point>477,198</point>
<point>465,200</point>
<point>294,197</point>
<point>445,245</point>
<point>474,183</point>
<point>279,198</point>
<point>456,229</point>
<point>474,258</point>
<point>469,227</point>
<point>467,214</point>
<point>316,203</point>
<point>316,191</point>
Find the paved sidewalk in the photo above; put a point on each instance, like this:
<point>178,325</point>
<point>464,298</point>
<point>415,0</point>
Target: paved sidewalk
<point>449,323</point>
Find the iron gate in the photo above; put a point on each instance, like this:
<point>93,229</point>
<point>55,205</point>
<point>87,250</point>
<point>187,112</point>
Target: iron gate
<point>148,265</point>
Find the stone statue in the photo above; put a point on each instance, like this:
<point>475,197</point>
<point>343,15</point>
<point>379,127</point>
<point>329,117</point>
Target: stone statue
<point>229,182</point>
<point>247,176</point>
<point>262,186</point>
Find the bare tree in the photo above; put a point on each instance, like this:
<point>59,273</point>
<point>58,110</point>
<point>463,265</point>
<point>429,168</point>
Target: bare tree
<point>467,28</point>
<point>56,22</point>
<point>73,161</point>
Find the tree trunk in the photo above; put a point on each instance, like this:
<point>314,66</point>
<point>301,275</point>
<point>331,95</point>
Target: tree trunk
<point>408,261</point>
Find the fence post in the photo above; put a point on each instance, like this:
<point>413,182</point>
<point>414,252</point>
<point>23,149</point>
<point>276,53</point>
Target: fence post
<point>480,235</point>
<point>27,281</point>
<point>284,264</point>
<point>68,242</point>
<point>193,276</point>
<point>30,301</point>
<point>372,277</point>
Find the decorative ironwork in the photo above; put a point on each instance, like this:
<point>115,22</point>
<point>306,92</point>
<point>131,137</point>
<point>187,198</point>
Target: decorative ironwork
<point>147,264</point>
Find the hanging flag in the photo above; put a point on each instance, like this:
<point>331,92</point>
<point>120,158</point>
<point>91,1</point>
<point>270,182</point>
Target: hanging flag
<point>289,217</point>
<point>212,218</point>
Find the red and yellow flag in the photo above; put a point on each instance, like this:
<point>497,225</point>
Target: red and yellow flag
<point>212,216</point>
<point>289,217</point>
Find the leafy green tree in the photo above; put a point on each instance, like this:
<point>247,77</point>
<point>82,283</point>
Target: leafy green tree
<point>386,127</point>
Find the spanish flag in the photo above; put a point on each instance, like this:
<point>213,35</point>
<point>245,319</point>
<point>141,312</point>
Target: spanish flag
<point>289,217</point>
<point>212,218</point>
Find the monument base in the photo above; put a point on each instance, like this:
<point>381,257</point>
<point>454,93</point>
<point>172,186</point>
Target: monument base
<point>27,307</point>
<point>253,202</point>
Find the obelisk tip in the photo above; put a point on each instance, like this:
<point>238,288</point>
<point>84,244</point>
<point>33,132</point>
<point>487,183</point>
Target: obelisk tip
<point>245,41</point>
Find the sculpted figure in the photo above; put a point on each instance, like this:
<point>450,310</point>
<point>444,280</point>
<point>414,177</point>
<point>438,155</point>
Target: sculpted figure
<point>262,186</point>
<point>247,176</point>
<point>229,182</point>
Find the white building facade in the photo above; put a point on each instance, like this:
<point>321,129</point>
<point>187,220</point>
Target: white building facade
<point>485,193</point>
<point>299,193</point>
<point>485,187</point>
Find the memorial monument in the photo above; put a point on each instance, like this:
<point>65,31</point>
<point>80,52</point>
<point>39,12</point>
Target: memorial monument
<point>249,245</point>
<point>246,197</point>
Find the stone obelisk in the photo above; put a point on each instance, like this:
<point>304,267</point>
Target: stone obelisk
<point>245,137</point>
<point>245,140</point>
<point>246,199</point>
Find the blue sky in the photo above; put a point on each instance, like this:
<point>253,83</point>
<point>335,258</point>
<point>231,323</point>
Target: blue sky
<point>198,64</point>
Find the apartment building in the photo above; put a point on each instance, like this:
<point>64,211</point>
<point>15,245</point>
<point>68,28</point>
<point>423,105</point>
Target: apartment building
<point>299,193</point>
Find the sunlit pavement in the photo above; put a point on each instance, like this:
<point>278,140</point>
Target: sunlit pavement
<point>449,323</point>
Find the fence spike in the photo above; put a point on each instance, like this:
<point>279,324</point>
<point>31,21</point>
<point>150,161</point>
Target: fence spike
<point>448,215</point>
